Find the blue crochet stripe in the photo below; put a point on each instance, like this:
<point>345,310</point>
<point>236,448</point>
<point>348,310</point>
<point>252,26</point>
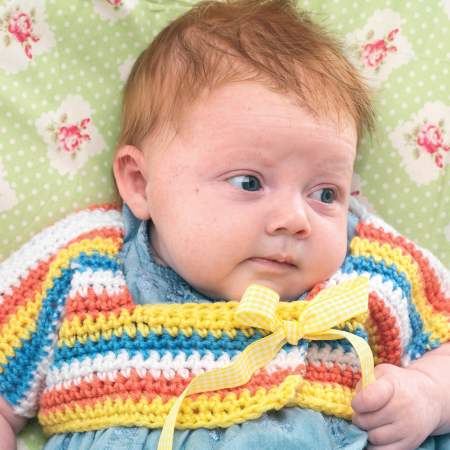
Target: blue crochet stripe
<point>362,264</point>
<point>343,344</point>
<point>96,261</point>
<point>161,343</point>
<point>20,369</point>
<point>421,340</point>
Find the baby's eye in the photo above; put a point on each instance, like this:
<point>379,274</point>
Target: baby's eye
<point>245,182</point>
<point>325,195</point>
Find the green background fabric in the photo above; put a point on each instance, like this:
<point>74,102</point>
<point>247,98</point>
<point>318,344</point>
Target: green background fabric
<point>63,64</point>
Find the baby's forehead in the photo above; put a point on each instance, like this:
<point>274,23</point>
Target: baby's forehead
<point>249,123</point>
<point>249,107</point>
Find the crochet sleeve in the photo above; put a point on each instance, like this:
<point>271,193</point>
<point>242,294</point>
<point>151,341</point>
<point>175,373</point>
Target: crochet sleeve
<point>409,312</point>
<point>409,300</point>
<point>35,283</point>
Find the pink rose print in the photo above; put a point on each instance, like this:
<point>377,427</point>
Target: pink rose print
<point>375,52</point>
<point>115,3</point>
<point>70,137</point>
<point>20,27</point>
<point>430,138</point>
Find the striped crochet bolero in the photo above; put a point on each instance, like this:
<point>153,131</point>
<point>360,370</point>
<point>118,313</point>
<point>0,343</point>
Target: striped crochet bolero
<point>76,349</point>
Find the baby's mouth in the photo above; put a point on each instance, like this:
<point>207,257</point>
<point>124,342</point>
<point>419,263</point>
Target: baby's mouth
<point>275,261</point>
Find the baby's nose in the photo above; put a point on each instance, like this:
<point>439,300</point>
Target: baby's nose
<point>289,216</point>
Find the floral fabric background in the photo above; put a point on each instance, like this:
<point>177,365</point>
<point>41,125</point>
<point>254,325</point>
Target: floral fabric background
<point>63,64</point>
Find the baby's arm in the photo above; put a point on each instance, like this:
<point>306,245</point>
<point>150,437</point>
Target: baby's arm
<point>10,425</point>
<point>406,405</point>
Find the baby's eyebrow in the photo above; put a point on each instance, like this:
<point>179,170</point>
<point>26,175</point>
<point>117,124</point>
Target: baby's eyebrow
<point>335,167</point>
<point>248,153</point>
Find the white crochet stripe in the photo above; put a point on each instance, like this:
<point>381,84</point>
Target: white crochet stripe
<point>358,209</point>
<point>99,280</point>
<point>49,241</point>
<point>325,355</point>
<point>287,359</point>
<point>339,277</point>
<point>393,298</point>
<point>378,222</point>
<point>108,367</point>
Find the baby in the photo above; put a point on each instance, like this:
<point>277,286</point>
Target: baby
<point>240,127</point>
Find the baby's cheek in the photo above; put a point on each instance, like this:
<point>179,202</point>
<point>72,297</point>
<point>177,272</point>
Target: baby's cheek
<point>198,261</point>
<point>340,242</point>
<point>332,251</point>
<point>341,247</point>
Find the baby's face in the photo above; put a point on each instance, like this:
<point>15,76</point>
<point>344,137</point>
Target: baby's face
<point>252,189</point>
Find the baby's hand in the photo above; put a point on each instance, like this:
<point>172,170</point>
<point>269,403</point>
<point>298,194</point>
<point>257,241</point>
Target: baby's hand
<point>399,410</point>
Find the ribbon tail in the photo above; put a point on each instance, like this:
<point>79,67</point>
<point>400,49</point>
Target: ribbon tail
<point>166,437</point>
<point>255,356</point>
<point>364,354</point>
<point>361,347</point>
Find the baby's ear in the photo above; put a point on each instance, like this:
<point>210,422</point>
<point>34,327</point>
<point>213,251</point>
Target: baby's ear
<point>130,172</point>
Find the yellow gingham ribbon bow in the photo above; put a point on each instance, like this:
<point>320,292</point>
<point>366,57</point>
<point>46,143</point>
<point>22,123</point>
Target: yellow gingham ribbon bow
<point>332,306</point>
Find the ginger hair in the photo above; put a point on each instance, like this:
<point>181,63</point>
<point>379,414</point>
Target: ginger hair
<point>218,42</point>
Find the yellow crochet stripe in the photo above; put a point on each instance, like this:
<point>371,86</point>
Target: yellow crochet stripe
<point>329,398</point>
<point>146,319</point>
<point>216,319</point>
<point>201,412</point>
<point>22,324</point>
<point>18,327</point>
<point>434,322</point>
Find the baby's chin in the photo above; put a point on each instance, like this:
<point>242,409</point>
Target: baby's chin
<point>286,293</point>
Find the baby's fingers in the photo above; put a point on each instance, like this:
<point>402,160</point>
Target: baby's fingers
<point>373,397</point>
<point>396,446</point>
<point>370,421</point>
<point>386,438</point>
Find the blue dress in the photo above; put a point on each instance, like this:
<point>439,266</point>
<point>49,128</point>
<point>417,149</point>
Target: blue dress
<point>289,429</point>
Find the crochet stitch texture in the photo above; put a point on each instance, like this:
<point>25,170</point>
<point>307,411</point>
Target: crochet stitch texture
<point>75,348</point>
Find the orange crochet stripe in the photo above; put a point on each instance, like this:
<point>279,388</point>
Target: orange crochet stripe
<point>149,387</point>
<point>24,292</point>
<point>385,336</point>
<point>314,291</point>
<point>433,289</point>
<point>93,304</point>
<point>332,373</point>
<point>32,283</point>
